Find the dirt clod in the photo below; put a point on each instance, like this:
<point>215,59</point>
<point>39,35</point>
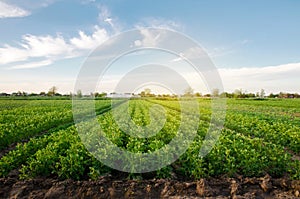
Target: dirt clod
<point>200,187</point>
<point>106,187</point>
<point>266,184</point>
<point>233,188</point>
<point>297,193</point>
<point>54,192</point>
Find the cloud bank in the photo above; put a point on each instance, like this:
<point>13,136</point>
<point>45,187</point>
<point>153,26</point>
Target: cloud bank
<point>278,78</point>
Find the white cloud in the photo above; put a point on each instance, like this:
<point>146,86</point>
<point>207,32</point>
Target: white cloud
<point>150,37</point>
<point>137,43</point>
<point>52,47</point>
<point>104,13</point>
<point>33,46</point>
<point>225,50</point>
<point>271,78</point>
<point>9,54</point>
<point>159,23</point>
<point>153,37</point>
<point>32,65</point>
<point>190,54</point>
<point>45,46</point>
<point>105,18</point>
<point>56,47</point>
<point>8,11</point>
<point>89,42</point>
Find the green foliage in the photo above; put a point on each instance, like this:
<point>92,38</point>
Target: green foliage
<point>34,117</point>
<point>258,138</point>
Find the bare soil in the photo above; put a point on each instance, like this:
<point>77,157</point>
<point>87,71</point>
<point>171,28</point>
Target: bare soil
<point>106,187</point>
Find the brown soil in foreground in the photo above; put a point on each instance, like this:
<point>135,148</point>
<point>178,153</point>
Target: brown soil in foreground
<point>106,187</point>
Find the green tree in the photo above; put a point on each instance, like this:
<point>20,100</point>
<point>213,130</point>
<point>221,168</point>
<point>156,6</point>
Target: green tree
<point>52,91</point>
<point>237,93</point>
<point>198,94</point>
<point>146,92</point>
<point>103,94</point>
<point>42,94</point>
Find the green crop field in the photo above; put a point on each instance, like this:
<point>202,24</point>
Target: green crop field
<point>39,138</point>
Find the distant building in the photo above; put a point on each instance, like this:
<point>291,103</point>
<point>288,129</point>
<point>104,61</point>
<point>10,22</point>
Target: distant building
<point>122,95</point>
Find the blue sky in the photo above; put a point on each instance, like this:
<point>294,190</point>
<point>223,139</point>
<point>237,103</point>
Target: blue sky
<point>254,44</point>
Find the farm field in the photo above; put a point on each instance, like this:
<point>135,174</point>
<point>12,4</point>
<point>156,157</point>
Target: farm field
<point>258,151</point>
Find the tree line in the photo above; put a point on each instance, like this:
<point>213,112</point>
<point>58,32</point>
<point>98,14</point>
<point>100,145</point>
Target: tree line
<point>189,92</point>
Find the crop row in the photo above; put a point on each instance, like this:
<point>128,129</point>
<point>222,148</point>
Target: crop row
<point>284,133</point>
<point>254,155</point>
<point>23,122</point>
<point>62,153</point>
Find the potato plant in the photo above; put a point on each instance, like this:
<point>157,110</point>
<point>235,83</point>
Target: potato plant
<point>258,138</point>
